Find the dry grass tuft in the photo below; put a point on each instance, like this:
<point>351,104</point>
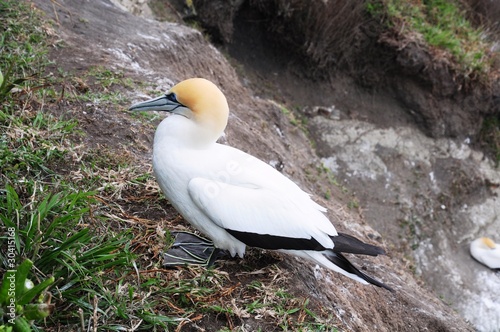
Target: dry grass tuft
<point>325,32</point>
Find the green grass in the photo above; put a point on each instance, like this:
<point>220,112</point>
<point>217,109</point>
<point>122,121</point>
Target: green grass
<point>30,142</point>
<point>59,226</point>
<point>104,80</point>
<point>107,78</point>
<point>441,24</point>
<point>21,47</point>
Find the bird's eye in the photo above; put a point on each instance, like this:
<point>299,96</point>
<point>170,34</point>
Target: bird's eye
<point>172,97</point>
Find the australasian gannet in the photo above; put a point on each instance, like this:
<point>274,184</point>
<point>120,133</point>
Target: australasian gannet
<point>487,252</point>
<point>232,197</point>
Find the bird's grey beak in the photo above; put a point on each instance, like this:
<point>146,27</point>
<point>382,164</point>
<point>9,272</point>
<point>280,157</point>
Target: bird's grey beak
<point>161,103</point>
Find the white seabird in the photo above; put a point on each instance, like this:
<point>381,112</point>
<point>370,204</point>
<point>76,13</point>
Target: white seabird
<point>486,251</point>
<point>232,197</point>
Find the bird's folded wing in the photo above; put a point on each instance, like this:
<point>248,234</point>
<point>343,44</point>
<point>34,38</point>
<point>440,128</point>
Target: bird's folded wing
<point>261,217</point>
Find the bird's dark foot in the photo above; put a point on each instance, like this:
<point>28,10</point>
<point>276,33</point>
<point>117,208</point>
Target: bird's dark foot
<point>191,249</point>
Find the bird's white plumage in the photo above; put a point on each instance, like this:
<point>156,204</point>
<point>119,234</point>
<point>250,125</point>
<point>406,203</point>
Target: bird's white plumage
<point>221,190</point>
<point>224,188</point>
<point>486,251</point>
<point>260,210</point>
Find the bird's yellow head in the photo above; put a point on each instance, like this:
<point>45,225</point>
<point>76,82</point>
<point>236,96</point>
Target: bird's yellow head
<point>197,99</point>
<point>488,242</point>
<point>207,103</point>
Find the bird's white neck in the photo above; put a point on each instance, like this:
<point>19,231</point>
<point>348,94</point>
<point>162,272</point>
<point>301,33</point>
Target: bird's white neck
<point>179,131</point>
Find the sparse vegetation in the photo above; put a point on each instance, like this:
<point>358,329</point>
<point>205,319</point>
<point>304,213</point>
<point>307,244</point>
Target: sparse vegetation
<point>353,204</point>
<point>442,24</point>
<point>292,118</point>
<point>412,229</point>
<point>322,32</point>
<point>21,52</point>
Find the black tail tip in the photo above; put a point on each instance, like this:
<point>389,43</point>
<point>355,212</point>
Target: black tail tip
<point>382,285</point>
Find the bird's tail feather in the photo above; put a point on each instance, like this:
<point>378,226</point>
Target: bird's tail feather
<point>341,262</point>
<point>347,243</point>
<point>338,263</point>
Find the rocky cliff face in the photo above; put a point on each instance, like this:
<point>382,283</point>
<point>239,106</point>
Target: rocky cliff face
<point>430,197</point>
<point>99,33</point>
